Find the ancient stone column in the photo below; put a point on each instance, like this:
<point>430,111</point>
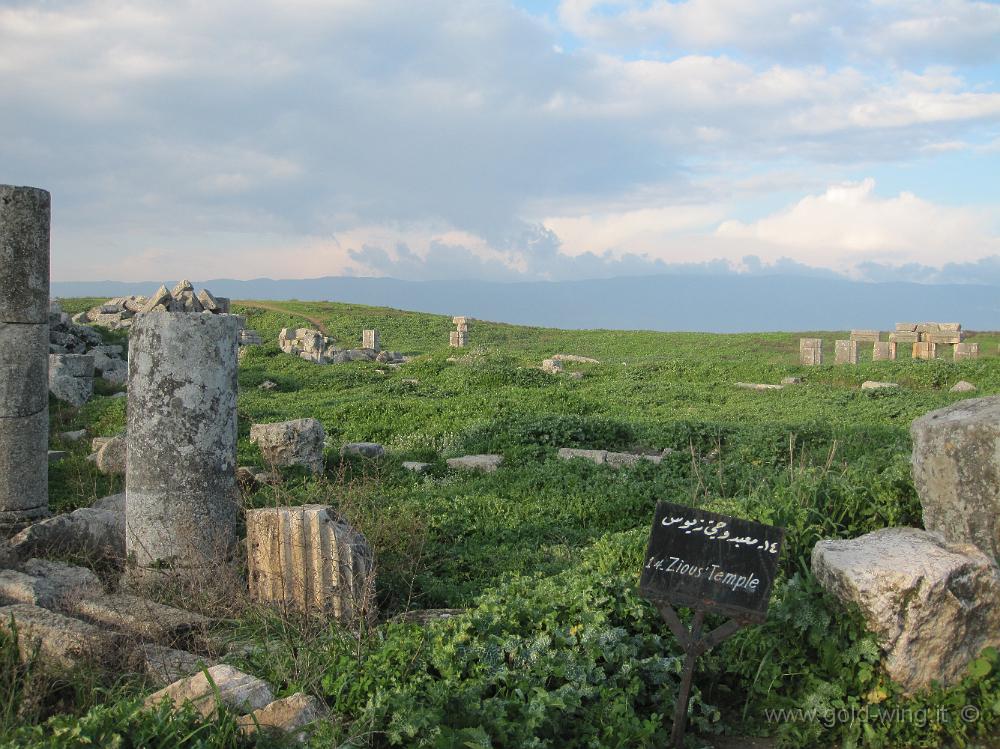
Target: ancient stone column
<point>24,355</point>
<point>181,507</point>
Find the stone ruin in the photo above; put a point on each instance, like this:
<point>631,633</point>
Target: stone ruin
<point>312,345</point>
<point>179,515</point>
<point>924,338</point>
<point>119,312</point>
<point>459,338</point>
<point>932,597</point>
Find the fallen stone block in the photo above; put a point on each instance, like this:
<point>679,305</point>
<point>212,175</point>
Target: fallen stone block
<point>481,463</point>
<point>791,380</point>
<point>71,378</point>
<point>306,558</point>
<point>165,665</point>
<point>19,587</point>
<point>574,358</point>
<point>415,466</point>
<point>932,605</point>
<point>873,385</point>
<point>139,616</point>
<point>290,715</point>
<point>290,443</point>
<point>963,387</point>
<point>86,531</point>
<point>112,503</point>
<point>363,450</point>
<point>427,616</point>
<point>759,387</point>
<point>62,640</point>
<point>594,456</point>
<point>552,366</point>
<point>956,471</point>
<point>620,460</point>
<point>67,581</point>
<point>112,456</point>
<point>233,689</point>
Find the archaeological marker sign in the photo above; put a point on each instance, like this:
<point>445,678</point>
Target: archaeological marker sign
<point>712,562</point>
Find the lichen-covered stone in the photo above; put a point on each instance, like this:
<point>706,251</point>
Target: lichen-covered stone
<point>480,463</point>
<point>181,495</point>
<point>956,470</point>
<point>24,254</point>
<point>290,443</point>
<point>71,377</point>
<point>363,449</point>
<point>24,468</point>
<point>932,605</point>
<point>291,716</point>
<point>60,639</point>
<point>24,367</point>
<point>86,530</point>
<point>112,457</point>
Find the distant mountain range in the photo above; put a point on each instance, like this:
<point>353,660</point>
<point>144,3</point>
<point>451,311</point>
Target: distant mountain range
<point>722,303</point>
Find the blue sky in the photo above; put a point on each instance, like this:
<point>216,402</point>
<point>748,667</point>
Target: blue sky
<point>499,140</point>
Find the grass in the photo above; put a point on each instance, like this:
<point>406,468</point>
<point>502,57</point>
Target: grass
<point>557,649</point>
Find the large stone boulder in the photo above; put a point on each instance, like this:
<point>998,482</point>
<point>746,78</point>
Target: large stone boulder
<point>956,469</point>
<point>291,716</point>
<point>62,640</point>
<point>291,443</point>
<point>71,377</point>
<point>87,530</point>
<point>932,605</point>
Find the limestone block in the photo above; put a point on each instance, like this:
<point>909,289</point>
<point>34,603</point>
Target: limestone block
<point>480,463</point>
<point>165,665</point>
<point>291,715</point>
<point>906,327</point>
<point>234,689</point>
<point>950,327</point>
<point>620,460</point>
<point>575,358</point>
<point>363,450</point>
<point>69,581</point>
<point>309,560</point>
<point>56,455</point>
<point>594,456</point>
<point>60,639</point>
<point>760,387</point>
<point>71,377</point>
<point>160,298</point>
<point>810,351</point>
<point>415,466</point>
<point>791,380</point>
<point>182,502</point>
<point>945,338</point>
<point>932,605</point>
<point>874,385</point>
<point>86,530</point>
<point>461,320</point>
<point>208,301</point>
<point>966,351</point>
<point>865,335</point>
<point>24,254</point>
<point>370,340</point>
<point>139,616</point>
<point>19,587</point>
<point>956,470</point>
<point>112,457</point>
<point>963,387</point>
<point>24,361</point>
<point>928,327</point>
<point>390,357</point>
<point>884,350</point>
<point>845,352</point>
<point>458,339</point>
<point>904,337</point>
<point>552,366</point>
<point>291,443</point>
<point>924,350</point>
<point>24,468</point>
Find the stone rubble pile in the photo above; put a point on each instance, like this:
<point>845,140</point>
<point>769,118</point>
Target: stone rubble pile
<point>120,312</point>
<point>932,596</point>
<point>70,344</point>
<point>312,345</point>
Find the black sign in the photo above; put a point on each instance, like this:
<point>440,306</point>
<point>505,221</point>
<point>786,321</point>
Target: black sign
<point>709,561</point>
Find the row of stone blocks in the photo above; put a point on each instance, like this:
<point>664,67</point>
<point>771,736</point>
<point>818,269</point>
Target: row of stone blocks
<point>846,352</point>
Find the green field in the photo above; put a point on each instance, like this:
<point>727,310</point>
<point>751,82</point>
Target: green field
<point>556,649</point>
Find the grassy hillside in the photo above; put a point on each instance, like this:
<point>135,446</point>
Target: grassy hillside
<point>557,650</point>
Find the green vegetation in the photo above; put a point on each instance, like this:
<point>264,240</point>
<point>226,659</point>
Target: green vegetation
<point>556,648</point>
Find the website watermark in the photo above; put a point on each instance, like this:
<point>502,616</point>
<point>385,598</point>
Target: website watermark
<point>874,714</point>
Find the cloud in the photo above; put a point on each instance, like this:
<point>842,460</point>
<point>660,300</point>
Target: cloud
<point>849,225</point>
<point>332,137</point>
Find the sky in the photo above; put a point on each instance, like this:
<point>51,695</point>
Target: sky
<point>531,140</point>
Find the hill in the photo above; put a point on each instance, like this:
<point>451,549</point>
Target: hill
<point>692,302</point>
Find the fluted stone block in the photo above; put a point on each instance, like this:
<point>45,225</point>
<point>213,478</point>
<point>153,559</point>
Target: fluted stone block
<point>181,494</point>
<point>307,559</point>
<point>24,369</point>
<point>24,254</point>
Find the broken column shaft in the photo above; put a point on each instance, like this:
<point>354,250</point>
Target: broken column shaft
<point>181,494</point>
<point>24,355</point>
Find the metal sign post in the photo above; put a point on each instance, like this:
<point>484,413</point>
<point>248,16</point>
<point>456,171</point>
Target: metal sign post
<point>710,563</point>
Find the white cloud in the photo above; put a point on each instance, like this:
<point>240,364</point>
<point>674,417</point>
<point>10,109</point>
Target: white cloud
<point>849,224</point>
